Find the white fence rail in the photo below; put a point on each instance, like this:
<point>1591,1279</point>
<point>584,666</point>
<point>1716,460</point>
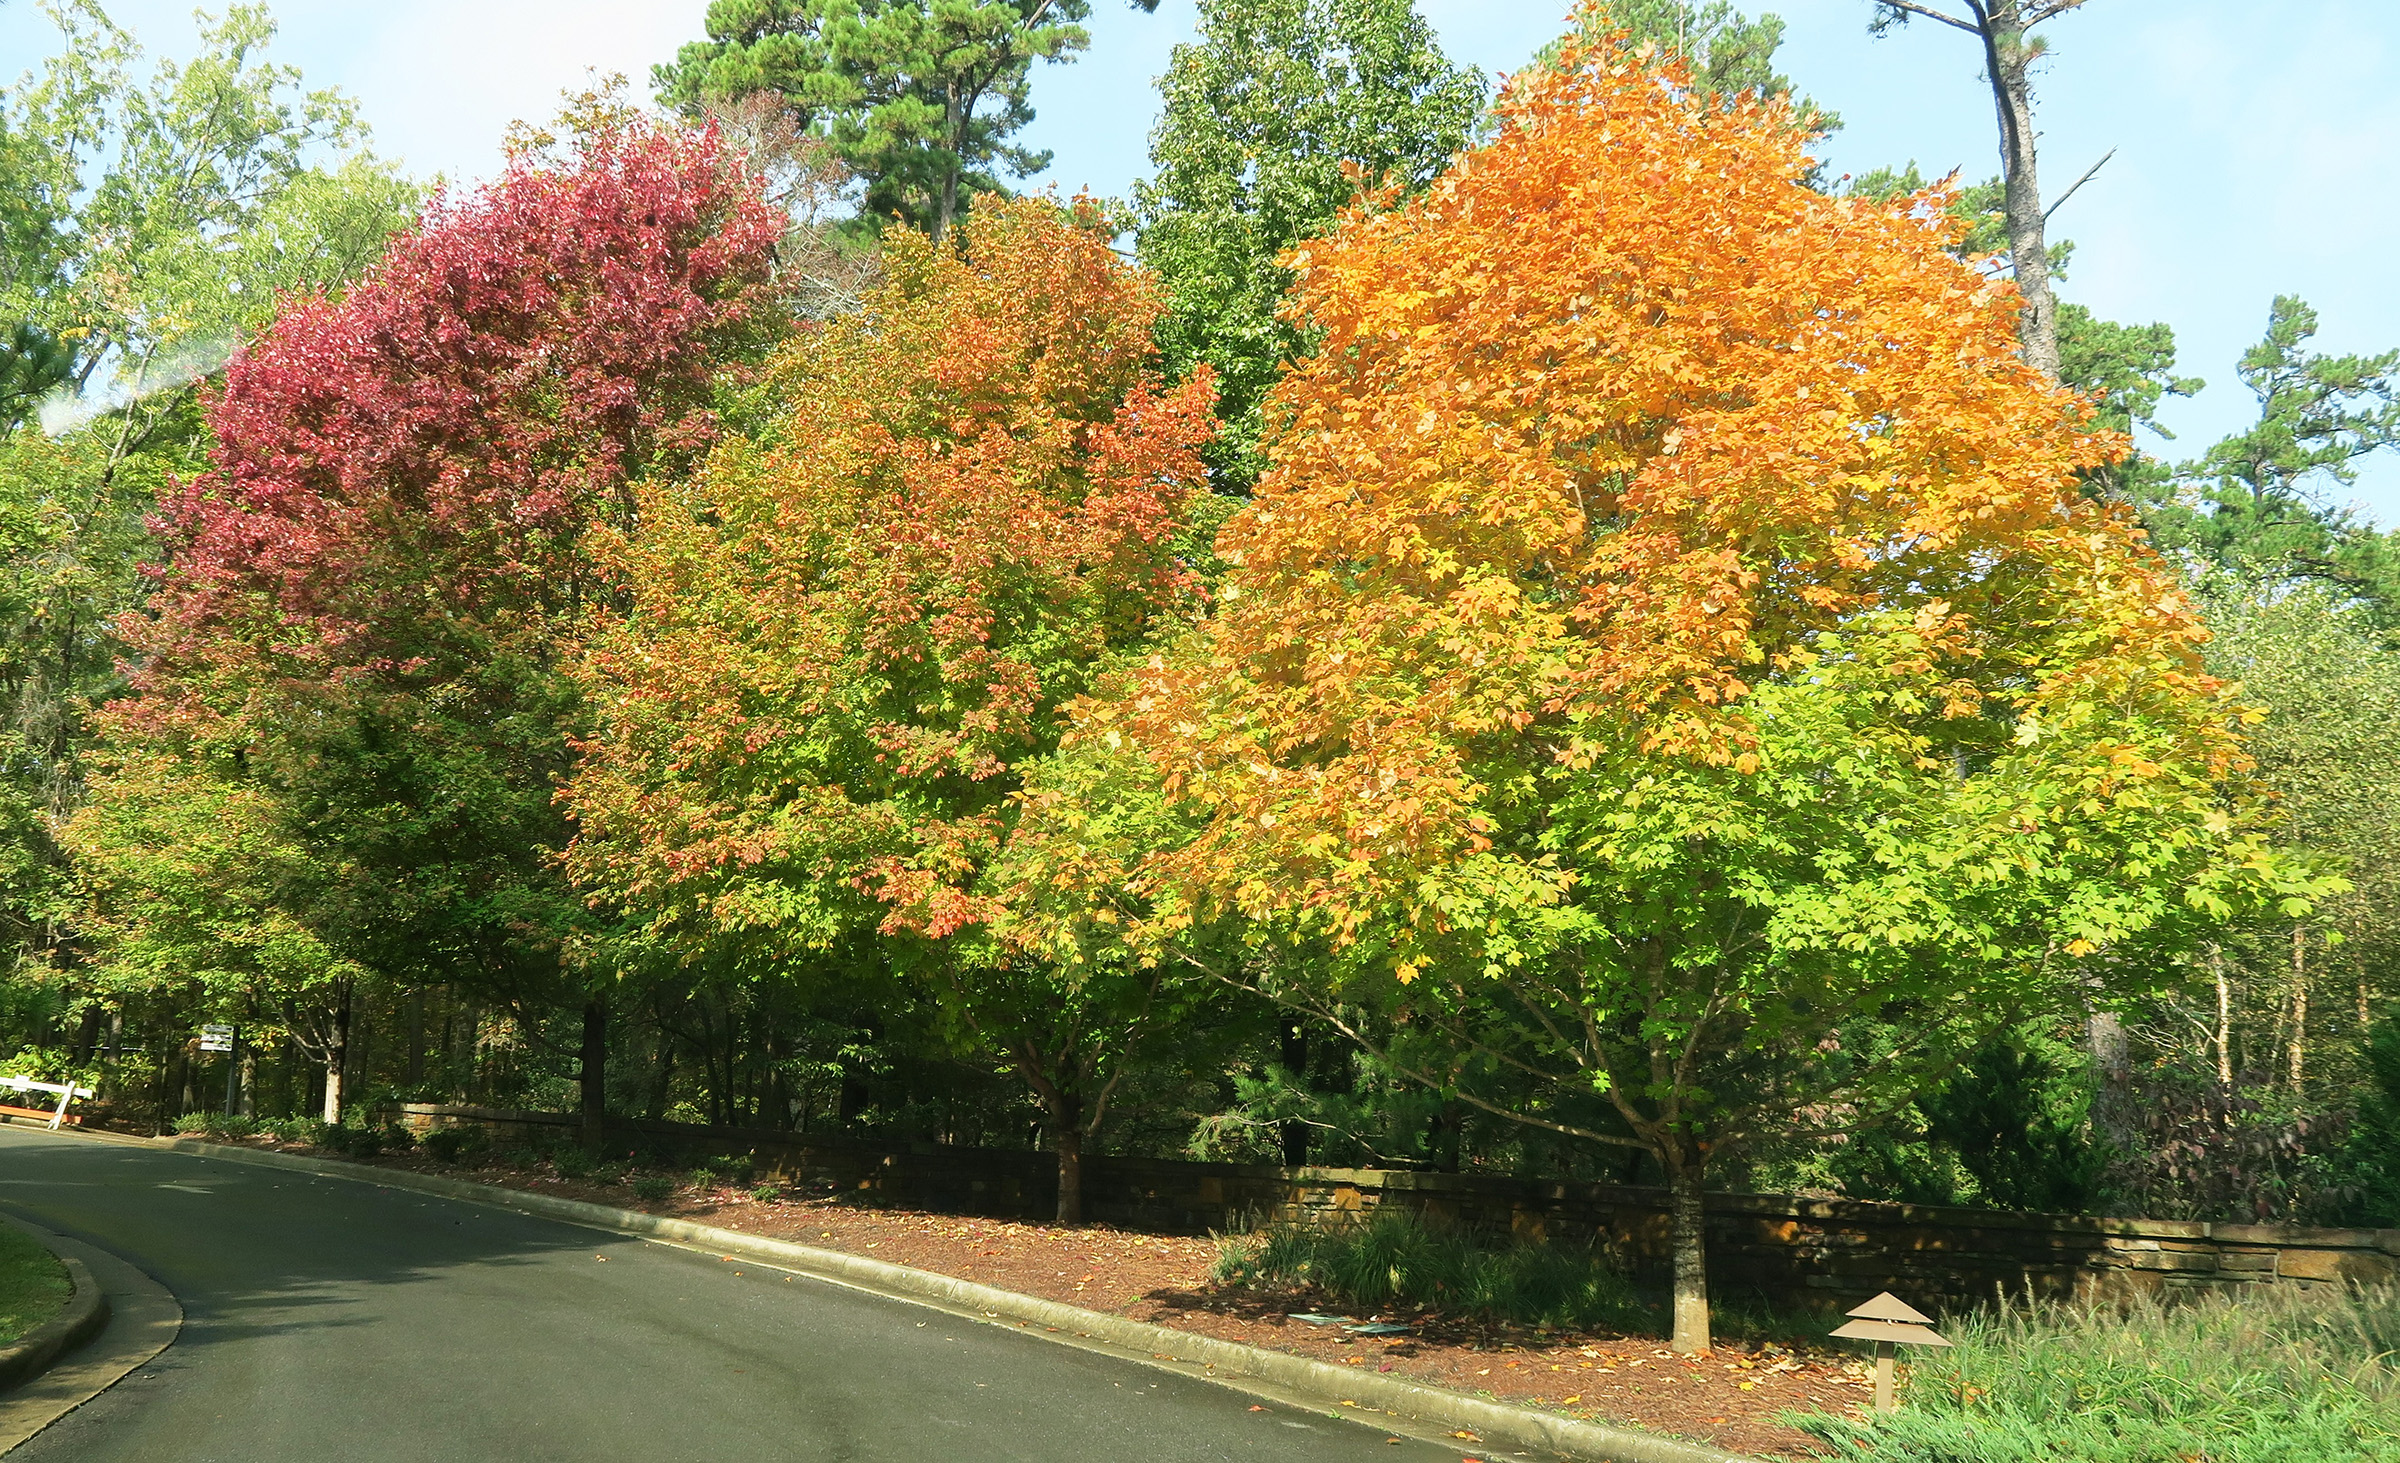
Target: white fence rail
<point>67,1093</point>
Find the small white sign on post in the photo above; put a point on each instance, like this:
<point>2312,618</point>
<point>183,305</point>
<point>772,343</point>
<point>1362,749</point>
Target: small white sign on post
<point>216,1038</point>
<point>66,1094</point>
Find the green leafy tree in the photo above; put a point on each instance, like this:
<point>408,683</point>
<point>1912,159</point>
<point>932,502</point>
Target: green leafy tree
<point>919,98</point>
<point>2259,499</point>
<point>1276,119</point>
<point>1725,52</point>
<point>150,217</point>
<point>2288,1002</point>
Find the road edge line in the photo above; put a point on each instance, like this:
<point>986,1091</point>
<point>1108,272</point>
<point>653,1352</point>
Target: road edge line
<point>1332,1386</point>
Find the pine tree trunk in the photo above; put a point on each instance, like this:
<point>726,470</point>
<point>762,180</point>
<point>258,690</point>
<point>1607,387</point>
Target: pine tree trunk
<point>2007,63</point>
<point>1688,1227</point>
<point>953,135</point>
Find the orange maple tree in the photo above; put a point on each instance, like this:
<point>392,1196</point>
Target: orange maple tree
<point>1668,642</point>
<point>847,638</point>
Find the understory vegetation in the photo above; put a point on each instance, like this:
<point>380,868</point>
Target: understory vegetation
<point>2280,1375</point>
<point>1399,1259</point>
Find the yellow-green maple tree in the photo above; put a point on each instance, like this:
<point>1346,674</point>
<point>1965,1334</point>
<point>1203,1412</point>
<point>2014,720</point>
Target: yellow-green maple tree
<point>1667,657</point>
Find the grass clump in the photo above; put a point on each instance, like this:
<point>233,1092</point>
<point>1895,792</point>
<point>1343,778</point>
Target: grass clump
<point>653,1187</point>
<point>1399,1258</point>
<point>33,1285</point>
<point>2282,1375</point>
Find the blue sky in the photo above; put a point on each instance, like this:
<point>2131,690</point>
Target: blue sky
<point>2258,146</point>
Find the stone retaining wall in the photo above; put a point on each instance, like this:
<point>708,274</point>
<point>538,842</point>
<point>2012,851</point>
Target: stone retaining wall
<point>1813,1252</point>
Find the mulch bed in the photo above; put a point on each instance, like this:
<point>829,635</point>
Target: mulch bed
<point>1730,1397</point>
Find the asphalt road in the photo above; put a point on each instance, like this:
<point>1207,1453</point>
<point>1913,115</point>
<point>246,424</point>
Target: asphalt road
<point>330,1319</point>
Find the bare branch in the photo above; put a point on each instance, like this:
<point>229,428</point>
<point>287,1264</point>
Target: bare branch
<point>1930,13</point>
<point>2079,182</point>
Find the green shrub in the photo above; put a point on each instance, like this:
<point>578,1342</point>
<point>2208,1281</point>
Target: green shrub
<point>767,1193</point>
<point>572,1162</point>
<point>449,1145</point>
<point>295,1130</point>
<point>350,1142</point>
<point>1400,1258</point>
<point>216,1125</point>
<point>2281,1375</point>
<point>653,1187</point>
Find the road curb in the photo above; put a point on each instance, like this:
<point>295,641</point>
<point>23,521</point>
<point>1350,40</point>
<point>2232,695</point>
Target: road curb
<point>86,1312</point>
<point>1334,1388</point>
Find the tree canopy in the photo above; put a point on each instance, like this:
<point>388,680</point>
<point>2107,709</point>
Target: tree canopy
<point>1644,734</point>
<point>847,639</point>
<point>356,633</point>
<point>900,88</point>
<point>1274,120</point>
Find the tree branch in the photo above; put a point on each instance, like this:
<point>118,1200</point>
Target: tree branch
<point>1929,13</point>
<point>2079,182</point>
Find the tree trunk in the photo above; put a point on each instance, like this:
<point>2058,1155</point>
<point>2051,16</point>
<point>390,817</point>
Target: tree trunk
<point>1068,1136</point>
<point>2299,1002</point>
<point>592,1074</point>
<point>2008,62</point>
<point>1688,1228</point>
<point>2216,965</point>
<point>951,130</point>
<point>416,1041</point>
<point>116,1045</point>
<point>337,1060</point>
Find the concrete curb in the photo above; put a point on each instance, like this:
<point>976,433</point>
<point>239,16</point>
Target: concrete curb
<point>86,1312</point>
<point>1331,1387</point>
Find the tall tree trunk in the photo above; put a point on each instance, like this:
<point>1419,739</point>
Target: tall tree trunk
<point>2216,965</point>
<point>116,1045</point>
<point>953,132</point>
<point>337,1059</point>
<point>592,1074</point>
<point>416,1040</point>
<point>2008,61</point>
<point>87,1035</point>
<point>2299,1045</point>
<point>1688,1229</point>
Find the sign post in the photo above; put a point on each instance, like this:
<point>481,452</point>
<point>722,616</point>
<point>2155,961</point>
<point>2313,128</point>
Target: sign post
<point>220,1038</point>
